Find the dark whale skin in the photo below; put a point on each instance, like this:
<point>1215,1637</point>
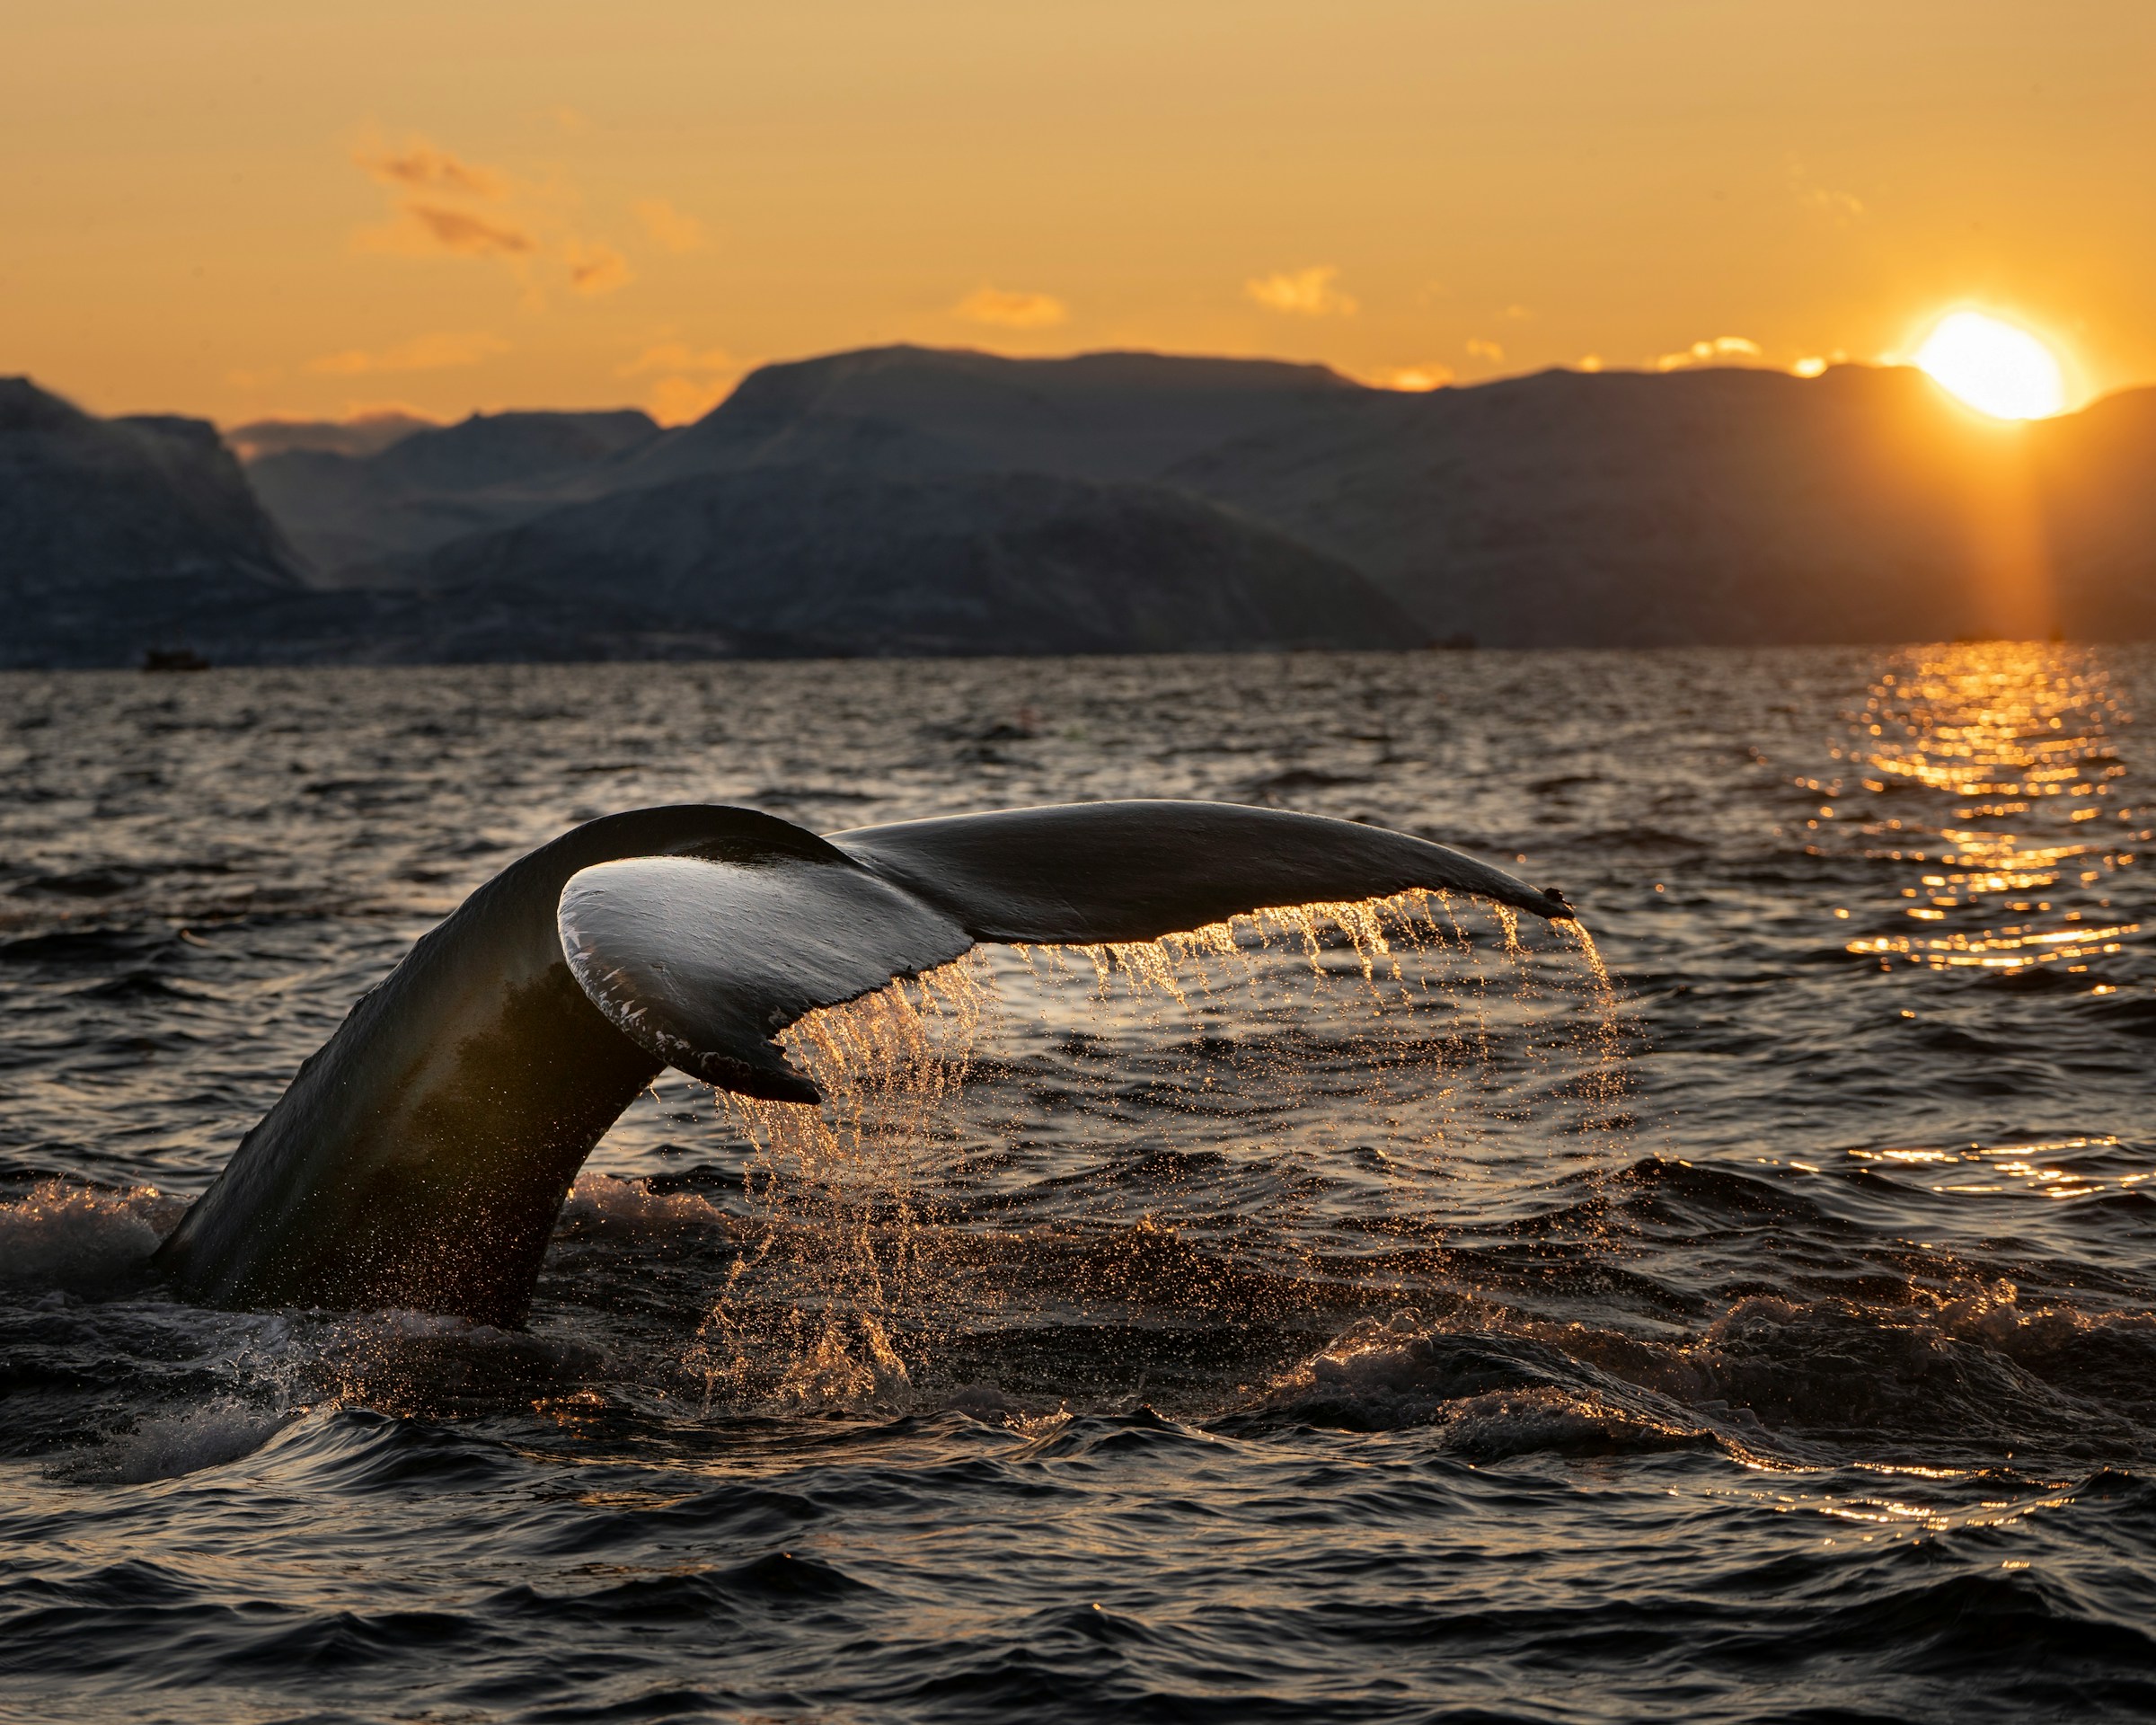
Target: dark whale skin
<point>419,1158</point>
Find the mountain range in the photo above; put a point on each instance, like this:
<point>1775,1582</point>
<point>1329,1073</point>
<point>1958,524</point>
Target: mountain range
<point>923,501</point>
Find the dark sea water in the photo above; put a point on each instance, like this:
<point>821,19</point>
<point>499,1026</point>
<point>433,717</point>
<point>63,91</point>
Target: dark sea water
<point>1230,1336</point>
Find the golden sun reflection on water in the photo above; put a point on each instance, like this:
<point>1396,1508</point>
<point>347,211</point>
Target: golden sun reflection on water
<point>2018,815</point>
<point>2057,1168</point>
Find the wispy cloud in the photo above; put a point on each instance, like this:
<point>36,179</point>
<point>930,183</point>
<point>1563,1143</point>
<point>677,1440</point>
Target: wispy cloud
<point>1012,310</point>
<point>439,352</point>
<point>676,356</point>
<point>674,231</point>
<point>1814,365</point>
<point>1723,350</point>
<point>1303,292</point>
<point>463,234</point>
<point>596,269</point>
<point>445,207</point>
<point>1841,208</point>
<point>1492,351</point>
<point>419,166</point>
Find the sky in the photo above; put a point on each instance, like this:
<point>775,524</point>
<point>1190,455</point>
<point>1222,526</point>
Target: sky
<point>245,207</point>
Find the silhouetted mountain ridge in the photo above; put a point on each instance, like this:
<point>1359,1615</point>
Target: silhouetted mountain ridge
<point>915,500</point>
<point>1107,415</point>
<point>119,535</point>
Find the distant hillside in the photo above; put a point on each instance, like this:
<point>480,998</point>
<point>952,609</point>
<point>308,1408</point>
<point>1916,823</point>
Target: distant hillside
<point>121,535</point>
<point>1731,506</point>
<point>1107,416</point>
<point>813,559</point>
<point>348,512</point>
<point>368,433</point>
<point>1717,505</point>
<point>1568,508</point>
<point>2096,479</point>
<point>908,499</point>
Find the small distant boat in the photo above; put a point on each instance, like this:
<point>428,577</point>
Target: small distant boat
<point>175,658</point>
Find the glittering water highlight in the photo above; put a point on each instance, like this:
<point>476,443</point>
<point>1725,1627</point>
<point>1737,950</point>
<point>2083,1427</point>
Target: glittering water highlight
<point>2017,739</point>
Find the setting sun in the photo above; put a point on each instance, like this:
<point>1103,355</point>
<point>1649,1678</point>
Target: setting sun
<point>1995,367</point>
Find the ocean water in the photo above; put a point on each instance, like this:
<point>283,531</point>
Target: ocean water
<point>1344,1318</point>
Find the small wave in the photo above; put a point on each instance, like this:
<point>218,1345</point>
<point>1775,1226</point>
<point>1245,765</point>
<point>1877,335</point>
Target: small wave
<point>1545,1419</point>
<point>166,1446</point>
<point>1492,1395</point>
<point>1106,1434</point>
<point>776,1578</point>
<point>360,1452</point>
<point>81,1239</point>
<point>986,1402</point>
<point>423,1363</point>
<point>1974,1368</point>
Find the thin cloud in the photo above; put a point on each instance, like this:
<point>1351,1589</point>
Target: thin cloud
<point>463,234</point>
<point>1010,310</point>
<point>1491,350</point>
<point>1303,292</point>
<point>673,230</point>
<point>1723,350</point>
<point>595,268</point>
<point>1841,208</point>
<point>422,167</point>
<point>440,352</point>
<point>445,207</point>
<point>677,356</point>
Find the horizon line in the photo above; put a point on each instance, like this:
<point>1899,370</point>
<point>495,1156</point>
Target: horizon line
<point>391,410</point>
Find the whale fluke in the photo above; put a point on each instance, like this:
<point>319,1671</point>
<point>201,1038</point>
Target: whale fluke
<point>421,1157</point>
<point>1080,873</point>
<point>699,963</point>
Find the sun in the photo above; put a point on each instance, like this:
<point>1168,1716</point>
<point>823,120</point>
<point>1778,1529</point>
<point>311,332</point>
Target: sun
<point>1997,368</point>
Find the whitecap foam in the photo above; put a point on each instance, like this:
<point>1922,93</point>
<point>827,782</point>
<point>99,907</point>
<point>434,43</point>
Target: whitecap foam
<point>604,1201</point>
<point>82,1239</point>
<point>166,1446</point>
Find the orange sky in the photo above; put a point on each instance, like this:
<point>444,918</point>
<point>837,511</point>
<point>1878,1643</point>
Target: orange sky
<point>235,208</point>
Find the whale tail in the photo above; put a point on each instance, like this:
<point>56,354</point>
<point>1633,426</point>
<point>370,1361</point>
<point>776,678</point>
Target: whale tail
<point>420,1157</point>
<point>700,962</point>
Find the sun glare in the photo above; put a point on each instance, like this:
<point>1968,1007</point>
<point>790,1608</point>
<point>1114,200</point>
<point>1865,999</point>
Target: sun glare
<point>1994,366</point>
